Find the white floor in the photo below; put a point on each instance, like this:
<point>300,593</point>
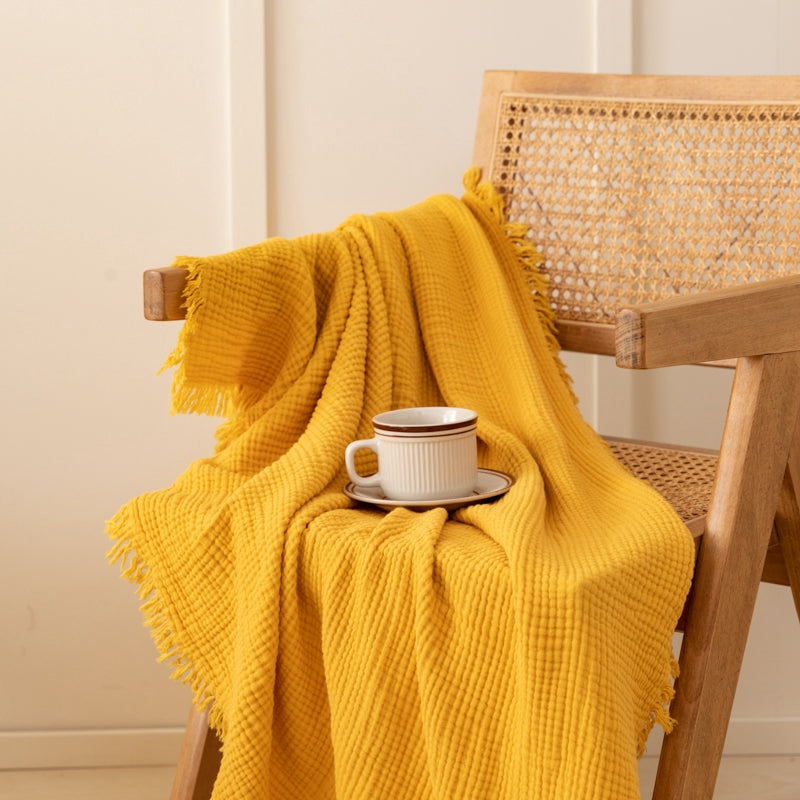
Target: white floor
<point>741,778</point>
<point>123,783</point>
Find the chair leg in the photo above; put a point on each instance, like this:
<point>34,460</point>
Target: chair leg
<point>753,457</point>
<point>199,760</point>
<point>787,520</point>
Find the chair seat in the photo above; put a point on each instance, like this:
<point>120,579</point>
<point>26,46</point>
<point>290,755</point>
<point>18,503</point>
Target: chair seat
<point>684,477</point>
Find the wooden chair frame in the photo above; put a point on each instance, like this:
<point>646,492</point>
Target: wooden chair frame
<point>751,531</point>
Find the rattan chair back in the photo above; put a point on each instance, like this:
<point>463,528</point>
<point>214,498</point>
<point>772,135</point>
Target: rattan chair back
<point>632,197</point>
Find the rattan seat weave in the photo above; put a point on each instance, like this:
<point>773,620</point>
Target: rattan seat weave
<point>635,200</point>
<point>682,476</point>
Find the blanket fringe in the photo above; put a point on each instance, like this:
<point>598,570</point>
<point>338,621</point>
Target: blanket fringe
<point>134,569</point>
<point>189,397</point>
<point>528,257</point>
<point>660,711</point>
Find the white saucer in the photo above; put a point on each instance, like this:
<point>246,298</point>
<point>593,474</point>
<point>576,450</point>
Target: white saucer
<point>490,484</point>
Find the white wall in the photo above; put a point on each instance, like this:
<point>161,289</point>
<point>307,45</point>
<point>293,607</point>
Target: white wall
<point>135,131</point>
<point>115,157</point>
<point>374,105</point>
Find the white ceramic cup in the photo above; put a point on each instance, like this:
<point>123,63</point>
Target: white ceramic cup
<point>424,453</point>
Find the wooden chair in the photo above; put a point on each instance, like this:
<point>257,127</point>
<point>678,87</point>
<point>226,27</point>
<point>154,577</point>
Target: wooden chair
<point>668,211</point>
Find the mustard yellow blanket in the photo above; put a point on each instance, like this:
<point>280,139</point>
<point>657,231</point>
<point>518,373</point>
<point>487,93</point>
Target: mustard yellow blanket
<point>519,648</point>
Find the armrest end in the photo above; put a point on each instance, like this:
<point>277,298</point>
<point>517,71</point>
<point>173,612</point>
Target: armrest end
<point>630,339</point>
<point>750,320</point>
<point>163,293</point>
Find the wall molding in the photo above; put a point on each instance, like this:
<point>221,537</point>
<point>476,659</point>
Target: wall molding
<point>607,393</point>
<point>775,736</point>
<point>613,44</point>
<point>247,121</point>
<point>139,747</point>
<point>66,749</point>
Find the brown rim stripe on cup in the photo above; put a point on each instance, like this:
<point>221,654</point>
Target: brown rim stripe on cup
<point>449,427</point>
<point>430,436</point>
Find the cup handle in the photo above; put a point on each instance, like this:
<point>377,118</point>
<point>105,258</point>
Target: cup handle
<point>349,460</point>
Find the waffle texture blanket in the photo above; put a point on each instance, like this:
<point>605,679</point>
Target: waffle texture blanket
<point>517,648</point>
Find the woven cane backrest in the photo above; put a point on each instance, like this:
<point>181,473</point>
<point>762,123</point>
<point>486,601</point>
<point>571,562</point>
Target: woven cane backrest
<point>642,193</point>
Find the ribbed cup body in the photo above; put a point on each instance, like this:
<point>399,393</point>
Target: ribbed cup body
<point>416,468</point>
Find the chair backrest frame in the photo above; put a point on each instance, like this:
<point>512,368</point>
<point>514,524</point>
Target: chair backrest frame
<point>636,188</point>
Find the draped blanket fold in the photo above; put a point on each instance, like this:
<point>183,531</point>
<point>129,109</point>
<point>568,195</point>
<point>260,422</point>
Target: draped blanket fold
<point>518,648</point>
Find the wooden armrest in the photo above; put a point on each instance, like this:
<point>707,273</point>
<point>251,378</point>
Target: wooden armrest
<point>163,293</point>
<point>750,320</point>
